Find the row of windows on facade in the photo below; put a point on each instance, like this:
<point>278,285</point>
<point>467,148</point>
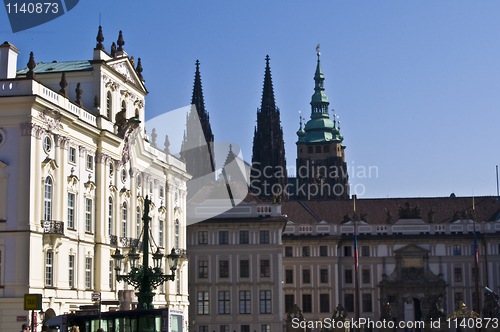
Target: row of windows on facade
<point>89,165</point>
<point>365,250</point>
<point>224,237</point>
<point>324,302</point>
<point>323,251</point>
<point>243,328</point>
<point>244,302</point>
<point>71,216</point>
<point>318,149</point>
<point>49,273</point>
<point>265,268</point>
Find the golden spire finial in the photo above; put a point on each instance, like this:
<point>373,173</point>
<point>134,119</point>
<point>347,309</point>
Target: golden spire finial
<point>317,50</point>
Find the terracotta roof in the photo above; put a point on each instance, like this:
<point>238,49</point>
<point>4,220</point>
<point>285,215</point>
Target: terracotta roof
<point>487,208</point>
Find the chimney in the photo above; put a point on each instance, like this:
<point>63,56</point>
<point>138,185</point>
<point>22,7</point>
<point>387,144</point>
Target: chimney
<point>8,60</point>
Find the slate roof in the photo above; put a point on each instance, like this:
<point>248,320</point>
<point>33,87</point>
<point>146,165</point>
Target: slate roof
<point>59,67</point>
<point>487,208</point>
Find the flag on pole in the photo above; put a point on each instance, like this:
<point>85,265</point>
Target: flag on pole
<point>476,250</point>
<point>355,250</point>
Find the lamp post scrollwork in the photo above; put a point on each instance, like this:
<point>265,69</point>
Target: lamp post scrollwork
<point>145,279</point>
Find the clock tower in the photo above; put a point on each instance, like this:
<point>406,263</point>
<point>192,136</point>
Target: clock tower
<point>321,167</point>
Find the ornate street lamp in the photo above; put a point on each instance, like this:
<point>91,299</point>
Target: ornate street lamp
<point>144,278</point>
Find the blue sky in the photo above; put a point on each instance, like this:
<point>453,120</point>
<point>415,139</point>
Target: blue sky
<point>416,84</point>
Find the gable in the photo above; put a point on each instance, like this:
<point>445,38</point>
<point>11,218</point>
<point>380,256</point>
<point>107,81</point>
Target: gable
<point>124,67</point>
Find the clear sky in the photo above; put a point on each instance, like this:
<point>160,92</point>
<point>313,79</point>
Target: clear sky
<point>416,84</point>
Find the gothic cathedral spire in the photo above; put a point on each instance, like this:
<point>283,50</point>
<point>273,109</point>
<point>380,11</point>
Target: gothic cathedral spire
<point>198,145</point>
<point>269,175</point>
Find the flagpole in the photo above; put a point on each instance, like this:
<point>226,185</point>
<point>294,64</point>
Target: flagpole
<point>356,264</point>
<point>476,257</point>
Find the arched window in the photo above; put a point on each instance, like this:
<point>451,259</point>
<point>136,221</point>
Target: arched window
<point>108,105</point>
<point>110,215</point>
<point>138,221</point>
<point>177,234</point>
<point>124,107</point>
<point>124,220</point>
<point>47,205</point>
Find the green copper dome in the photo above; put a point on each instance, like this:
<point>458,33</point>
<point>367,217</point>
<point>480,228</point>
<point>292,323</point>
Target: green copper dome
<point>320,128</point>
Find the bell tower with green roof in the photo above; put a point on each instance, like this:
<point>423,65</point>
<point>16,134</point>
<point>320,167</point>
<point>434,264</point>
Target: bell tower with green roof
<point>321,167</point>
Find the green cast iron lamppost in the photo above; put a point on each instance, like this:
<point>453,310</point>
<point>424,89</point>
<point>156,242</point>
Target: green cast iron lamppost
<point>144,278</point>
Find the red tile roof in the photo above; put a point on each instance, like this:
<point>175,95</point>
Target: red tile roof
<point>487,208</point>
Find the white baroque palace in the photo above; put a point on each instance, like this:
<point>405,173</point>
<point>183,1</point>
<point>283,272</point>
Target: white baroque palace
<point>73,179</point>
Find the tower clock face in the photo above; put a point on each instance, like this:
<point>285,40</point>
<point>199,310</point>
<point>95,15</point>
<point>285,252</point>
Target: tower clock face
<point>319,179</point>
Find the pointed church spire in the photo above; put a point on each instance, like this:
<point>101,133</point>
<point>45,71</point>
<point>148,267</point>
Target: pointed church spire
<point>268,144</point>
<point>197,98</point>
<point>198,145</point>
<point>268,104</point>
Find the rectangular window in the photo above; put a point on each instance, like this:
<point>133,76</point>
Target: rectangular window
<point>203,237</point>
<point>1,279</point>
<point>88,273</point>
<point>458,274</point>
<point>367,303</point>
<point>223,237</point>
<point>306,276</point>
<point>264,237</point>
<point>71,271</point>
<point>289,302</point>
<point>265,328</point>
<point>203,269</point>
<point>244,302</point>
<point>289,276</point>
<point>347,251</point>
<point>323,276</point>
<point>324,302</point>
<point>224,269</point>
<point>349,302</point>
<point>244,237</point>
<point>348,276</point>
<point>457,249</point>
<point>288,252</point>
<point>365,251</point>
<point>458,299</point>
<point>244,268</point>
<point>90,162</point>
<point>245,328</point>
<point>160,233</point>
<point>203,303</point>
<point>306,251</point>
<point>323,251</point>
<point>88,215</point>
<point>71,210</point>
<point>110,276</point>
<point>224,328</point>
<point>264,268</point>
<point>203,328</point>
<point>48,268</point>
<point>72,155</point>
<point>326,149</point>
<point>366,276</point>
<point>224,302</point>
<point>306,303</point>
<point>265,302</point>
